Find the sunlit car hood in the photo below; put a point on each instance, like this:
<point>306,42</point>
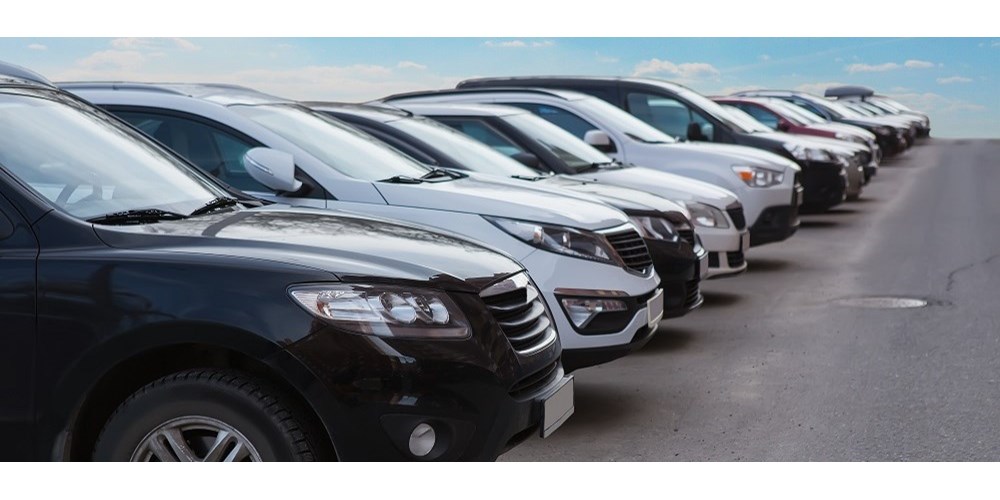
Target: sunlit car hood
<point>709,152</point>
<point>346,245</point>
<point>670,186</point>
<point>501,197</point>
<point>622,198</point>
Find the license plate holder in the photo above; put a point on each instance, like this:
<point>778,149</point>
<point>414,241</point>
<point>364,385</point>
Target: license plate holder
<point>557,407</point>
<point>654,309</point>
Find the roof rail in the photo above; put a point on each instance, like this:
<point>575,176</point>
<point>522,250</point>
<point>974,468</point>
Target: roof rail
<point>474,90</point>
<point>111,85</point>
<point>16,72</point>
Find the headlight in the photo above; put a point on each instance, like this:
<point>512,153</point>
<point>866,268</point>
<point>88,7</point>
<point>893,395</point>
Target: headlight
<point>883,130</point>
<point>850,138</point>
<point>758,176</point>
<point>800,152</point>
<point>654,228</point>
<point>384,310</point>
<point>707,215</point>
<point>843,160</point>
<point>559,239</point>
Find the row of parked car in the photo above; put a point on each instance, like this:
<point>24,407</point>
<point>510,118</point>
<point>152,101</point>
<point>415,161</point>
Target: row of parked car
<point>204,272</point>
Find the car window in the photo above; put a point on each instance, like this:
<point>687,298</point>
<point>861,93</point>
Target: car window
<point>484,133</point>
<point>760,114</point>
<point>669,115</point>
<point>559,117</point>
<point>217,152</point>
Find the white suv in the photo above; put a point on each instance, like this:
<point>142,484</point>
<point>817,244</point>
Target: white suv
<point>588,260</point>
<point>764,182</point>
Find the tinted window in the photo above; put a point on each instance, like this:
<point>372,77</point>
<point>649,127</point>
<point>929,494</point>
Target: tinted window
<point>669,115</point>
<point>560,118</point>
<point>484,133</point>
<point>211,149</point>
<point>760,114</point>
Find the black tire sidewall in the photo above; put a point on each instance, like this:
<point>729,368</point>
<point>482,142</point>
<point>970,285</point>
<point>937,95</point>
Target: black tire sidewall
<point>139,416</point>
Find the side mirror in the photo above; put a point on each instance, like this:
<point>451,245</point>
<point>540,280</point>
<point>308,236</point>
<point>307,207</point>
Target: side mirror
<point>6,227</point>
<point>784,126</point>
<point>272,168</point>
<point>527,159</point>
<point>694,132</point>
<point>600,140</point>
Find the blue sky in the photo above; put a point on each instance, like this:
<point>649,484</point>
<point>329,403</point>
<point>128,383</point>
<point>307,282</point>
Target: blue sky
<point>955,80</point>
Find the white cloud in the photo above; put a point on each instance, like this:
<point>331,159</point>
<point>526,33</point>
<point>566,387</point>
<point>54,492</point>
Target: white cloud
<point>868,68</point>
<point>154,44</point>
<point>764,57</point>
<point>995,44</point>
<point>518,44</point>
<point>917,64</point>
<point>932,103</point>
<point>953,79</point>
<point>106,63</point>
<point>682,71</point>
<point>410,65</point>
<point>37,46</point>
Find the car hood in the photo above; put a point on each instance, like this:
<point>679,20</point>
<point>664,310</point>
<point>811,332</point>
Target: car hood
<point>622,198</point>
<point>349,246</point>
<point>735,154</point>
<point>843,128</point>
<point>670,186</point>
<point>831,144</point>
<point>503,197</point>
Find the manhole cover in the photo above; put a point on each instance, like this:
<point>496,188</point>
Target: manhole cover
<point>883,302</point>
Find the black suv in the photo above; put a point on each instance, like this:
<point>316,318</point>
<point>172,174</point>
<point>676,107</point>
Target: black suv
<point>152,314</point>
<point>681,112</point>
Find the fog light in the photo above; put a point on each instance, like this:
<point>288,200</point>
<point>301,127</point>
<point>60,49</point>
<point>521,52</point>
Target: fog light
<point>582,311</point>
<point>422,440</point>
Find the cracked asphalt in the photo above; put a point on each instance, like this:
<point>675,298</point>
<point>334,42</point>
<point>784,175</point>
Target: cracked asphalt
<point>773,368</point>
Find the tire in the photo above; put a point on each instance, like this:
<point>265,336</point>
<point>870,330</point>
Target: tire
<point>205,415</point>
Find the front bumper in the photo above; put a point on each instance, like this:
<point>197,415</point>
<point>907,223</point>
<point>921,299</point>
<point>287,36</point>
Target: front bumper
<point>778,223</point>
<point>478,394</point>
<point>679,266</point>
<point>582,358</point>
<point>726,251</point>
<point>824,185</point>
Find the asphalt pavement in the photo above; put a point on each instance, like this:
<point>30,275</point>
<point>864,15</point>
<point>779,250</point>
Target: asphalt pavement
<point>781,364</point>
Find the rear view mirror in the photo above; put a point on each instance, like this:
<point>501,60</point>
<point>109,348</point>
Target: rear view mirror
<point>600,140</point>
<point>272,168</point>
<point>527,159</point>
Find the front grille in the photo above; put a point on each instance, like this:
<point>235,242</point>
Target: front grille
<point>713,259</point>
<point>693,293</point>
<point>735,212</point>
<point>631,248</point>
<point>735,259</point>
<point>517,307</point>
<point>687,235</point>
<point>532,383</point>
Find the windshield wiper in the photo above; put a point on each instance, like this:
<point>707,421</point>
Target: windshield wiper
<point>438,172</point>
<point>402,179</point>
<point>531,178</point>
<point>601,165</point>
<point>215,204</point>
<point>644,141</point>
<point>141,216</point>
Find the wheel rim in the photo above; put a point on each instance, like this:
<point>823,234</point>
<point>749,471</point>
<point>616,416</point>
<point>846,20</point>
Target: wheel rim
<point>195,439</point>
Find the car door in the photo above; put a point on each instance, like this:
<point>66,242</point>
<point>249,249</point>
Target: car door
<point>18,258</point>
<point>212,147</point>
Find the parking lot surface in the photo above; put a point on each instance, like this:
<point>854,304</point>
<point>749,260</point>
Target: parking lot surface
<point>786,363</point>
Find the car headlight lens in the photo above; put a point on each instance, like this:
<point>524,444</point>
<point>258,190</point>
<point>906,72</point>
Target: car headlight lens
<point>654,228</point>
<point>707,216</point>
<point>384,310</point>
<point>800,152</point>
<point>583,310</point>
<point>849,138</point>
<point>758,176</point>
<point>559,239</point>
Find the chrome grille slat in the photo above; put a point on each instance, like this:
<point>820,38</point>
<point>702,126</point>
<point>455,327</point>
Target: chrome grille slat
<point>631,248</point>
<point>518,309</point>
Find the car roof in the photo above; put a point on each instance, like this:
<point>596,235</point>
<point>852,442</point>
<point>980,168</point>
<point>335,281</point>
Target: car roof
<point>635,79</point>
<point>377,112</point>
<point>466,109</point>
<point>219,93</point>
<point>567,95</point>
<point>19,75</point>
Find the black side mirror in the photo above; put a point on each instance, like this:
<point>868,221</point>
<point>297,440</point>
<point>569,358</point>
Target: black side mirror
<point>783,126</point>
<point>527,159</point>
<point>6,227</point>
<point>694,132</point>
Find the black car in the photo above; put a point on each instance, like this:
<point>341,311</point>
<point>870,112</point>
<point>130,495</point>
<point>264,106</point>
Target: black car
<point>883,105</point>
<point>681,112</point>
<point>892,138</point>
<point>150,315</point>
<point>677,255</point>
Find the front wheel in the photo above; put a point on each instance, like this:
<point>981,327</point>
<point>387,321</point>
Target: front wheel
<point>205,415</point>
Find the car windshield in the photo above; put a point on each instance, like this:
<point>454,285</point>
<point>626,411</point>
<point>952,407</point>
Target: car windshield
<point>90,165</point>
<point>871,107</point>
<point>861,110</point>
<point>572,151</point>
<point>618,119</point>
<point>799,113</point>
<point>470,153</point>
<point>837,108</point>
<point>746,121</point>
<point>343,148</point>
<point>713,108</point>
<point>894,103</point>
